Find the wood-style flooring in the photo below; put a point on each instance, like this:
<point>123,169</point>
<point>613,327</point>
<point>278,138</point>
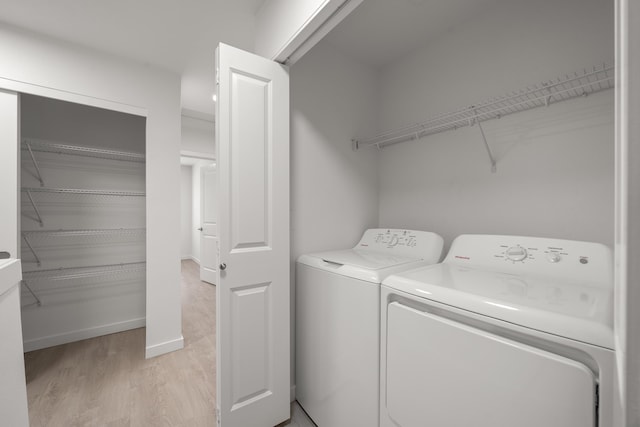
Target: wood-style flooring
<point>106,381</point>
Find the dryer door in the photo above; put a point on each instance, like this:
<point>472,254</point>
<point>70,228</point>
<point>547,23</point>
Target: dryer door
<point>446,374</point>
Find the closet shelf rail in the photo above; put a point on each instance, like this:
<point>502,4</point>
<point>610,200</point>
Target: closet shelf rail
<point>73,273</point>
<point>42,145</point>
<point>564,88</point>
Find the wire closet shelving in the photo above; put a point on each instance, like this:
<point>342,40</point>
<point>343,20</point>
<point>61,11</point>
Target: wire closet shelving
<point>39,280</point>
<point>46,146</point>
<point>32,235</point>
<point>68,275</point>
<point>32,145</point>
<point>564,88</point>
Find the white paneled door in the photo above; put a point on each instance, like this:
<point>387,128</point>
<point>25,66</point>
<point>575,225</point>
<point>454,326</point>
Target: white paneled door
<point>209,227</point>
<point>252,296</point>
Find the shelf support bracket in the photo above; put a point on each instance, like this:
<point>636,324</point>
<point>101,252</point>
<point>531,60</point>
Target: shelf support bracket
<point>26,240</point>
<point>486,146</point>
<point>35,208</point>
<point>35,164</point>
<point>24,282</point>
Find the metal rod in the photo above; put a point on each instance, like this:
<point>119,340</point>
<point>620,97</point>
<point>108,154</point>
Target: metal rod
<point>35,208</point>
<point>35,164</point>
<point>31,249</point>
<point>486,146</point>
<point>24,282</point>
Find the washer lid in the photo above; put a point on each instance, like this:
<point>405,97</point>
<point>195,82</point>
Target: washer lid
<point>360,264</point>
<point>580,311</point>
<point>364,259</point>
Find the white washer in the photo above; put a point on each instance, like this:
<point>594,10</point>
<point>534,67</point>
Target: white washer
<point>507,331</point>
<point>338,322</point>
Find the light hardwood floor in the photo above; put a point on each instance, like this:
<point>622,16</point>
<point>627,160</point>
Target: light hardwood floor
<point>106,381</point>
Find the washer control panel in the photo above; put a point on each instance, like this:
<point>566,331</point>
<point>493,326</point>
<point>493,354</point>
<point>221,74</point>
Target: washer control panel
<point>533,255</point>
<point>519,253</point>
<point>410,243</point>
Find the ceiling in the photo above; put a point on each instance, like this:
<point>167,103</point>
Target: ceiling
<point>181,35</point>
<point>178,35</point>
<point>382,31</point>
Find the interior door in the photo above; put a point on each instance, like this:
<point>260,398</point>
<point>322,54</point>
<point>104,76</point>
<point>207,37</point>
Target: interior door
<point>209,226</point>
<point>252,296</point>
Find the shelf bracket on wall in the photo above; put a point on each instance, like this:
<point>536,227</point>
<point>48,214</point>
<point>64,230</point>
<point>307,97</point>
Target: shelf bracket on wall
<point>486,145</point>
<point>24,282</point>
<point>35,164</point>
<point>35,208</point>
<point>26,240</point>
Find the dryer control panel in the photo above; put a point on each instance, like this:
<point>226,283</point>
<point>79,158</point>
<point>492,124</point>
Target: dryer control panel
<point>563,259</point>
<point>409,243</point>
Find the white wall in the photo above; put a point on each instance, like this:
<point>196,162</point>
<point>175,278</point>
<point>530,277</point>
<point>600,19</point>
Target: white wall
<point>197,135</point>
<point>282,25</point>
<point>333,189</point>
<point>555,165</point>
<point>186,212</point>
<point>35,64</point>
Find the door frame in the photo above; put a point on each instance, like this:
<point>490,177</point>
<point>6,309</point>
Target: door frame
<point>199,155</point>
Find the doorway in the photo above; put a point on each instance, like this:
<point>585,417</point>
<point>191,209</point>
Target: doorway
<point>198,233</point>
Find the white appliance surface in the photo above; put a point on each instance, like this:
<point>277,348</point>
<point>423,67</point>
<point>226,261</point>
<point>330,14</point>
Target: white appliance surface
<point>379,253</point>
<point>567,297</point>
<point>515,330</point>
<point>500,385</point>
<point>338,322</point>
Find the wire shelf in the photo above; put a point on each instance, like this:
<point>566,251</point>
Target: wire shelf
<point>104,232</point>
<point>41,145</point>
<point>70,273</point>
<point>564,88</point>
<point>73,277</point>
<point>84,191</point>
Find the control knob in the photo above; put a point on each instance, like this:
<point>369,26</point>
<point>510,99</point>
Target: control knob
<point>516,253</point>
<point>554,257</point>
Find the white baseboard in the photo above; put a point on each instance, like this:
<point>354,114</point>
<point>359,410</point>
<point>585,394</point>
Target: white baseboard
<point>164,347</point>
<point>293,393</point>
<point>191,257</point>
<point>82,334</point>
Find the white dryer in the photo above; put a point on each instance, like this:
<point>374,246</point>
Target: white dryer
<point>507,331</point>
<point>338,322</point>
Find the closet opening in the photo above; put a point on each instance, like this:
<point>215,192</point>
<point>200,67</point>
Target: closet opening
<point>82,221</point>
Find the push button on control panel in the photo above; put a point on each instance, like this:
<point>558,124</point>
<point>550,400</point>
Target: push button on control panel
<point>516,253</point>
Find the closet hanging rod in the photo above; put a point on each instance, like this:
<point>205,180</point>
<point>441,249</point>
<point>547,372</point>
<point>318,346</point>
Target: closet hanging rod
<point>84,191</point>
<point>564,88</point>
<point>46,146</point>
<point>82,233</point>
